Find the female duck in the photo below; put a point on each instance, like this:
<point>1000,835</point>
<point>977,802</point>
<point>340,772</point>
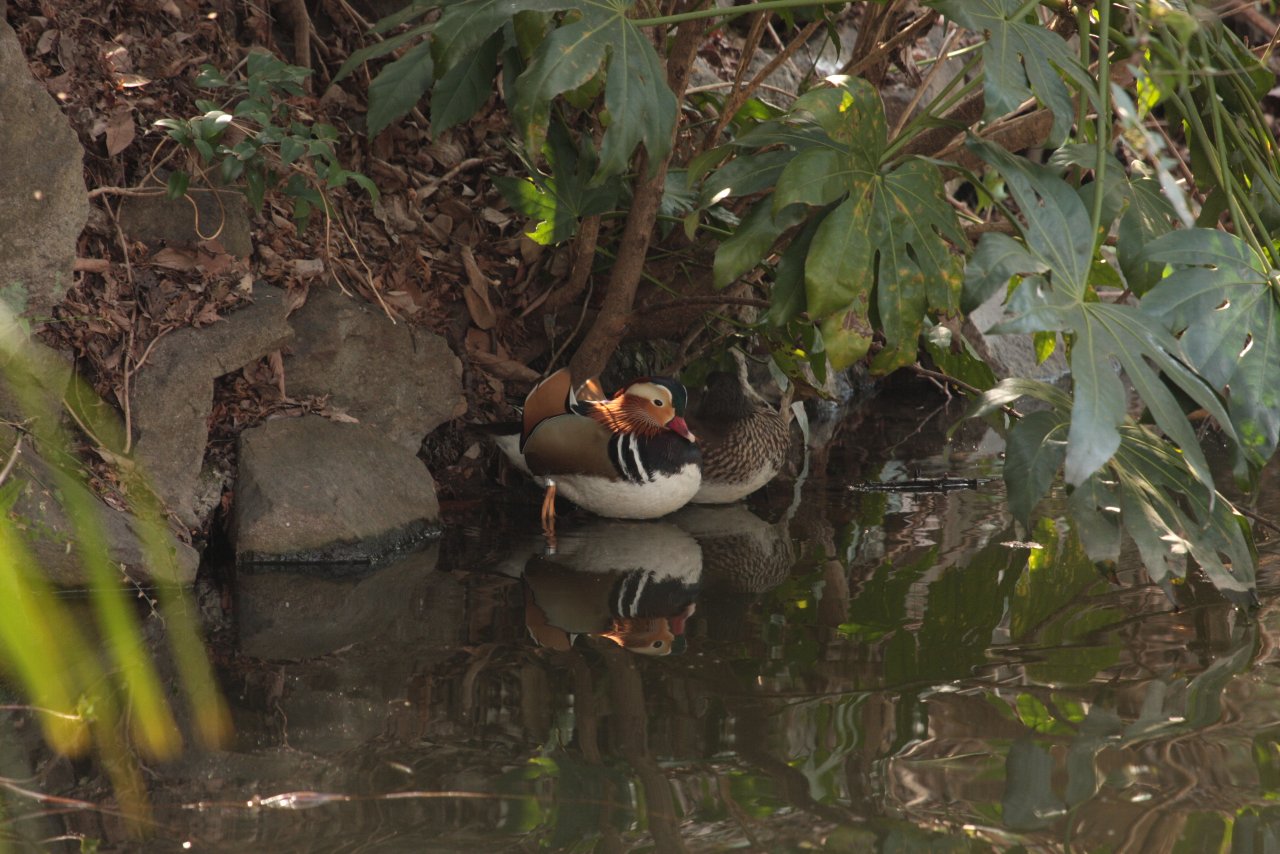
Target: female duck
<point>629,457</point>
<point>744,441</point>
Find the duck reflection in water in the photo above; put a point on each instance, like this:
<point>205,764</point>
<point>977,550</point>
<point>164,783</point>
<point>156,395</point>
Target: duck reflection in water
<point>633,583</point>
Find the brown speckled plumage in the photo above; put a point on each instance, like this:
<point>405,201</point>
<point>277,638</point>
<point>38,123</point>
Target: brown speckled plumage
<point>744,441</point>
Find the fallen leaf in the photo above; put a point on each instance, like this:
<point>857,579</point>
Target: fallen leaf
<point>477,292</point>
<point>175,259</point>
<point>503,369</point>
<point>120,131</point>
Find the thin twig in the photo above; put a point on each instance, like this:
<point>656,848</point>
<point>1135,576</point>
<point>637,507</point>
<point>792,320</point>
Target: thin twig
<point>8,469</point>
<point>882,50</point>
<point>948,38</point>
<point>703,300</point>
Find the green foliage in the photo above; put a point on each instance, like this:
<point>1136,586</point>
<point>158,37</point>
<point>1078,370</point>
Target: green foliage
<point>558,201</point>
<point>1020,57</point>
<point>263,139</point>
<point>92,684</point>
<point>456,57</point>
<point>863,251</point>
<point>881,229</point>
<point>1220,301</point>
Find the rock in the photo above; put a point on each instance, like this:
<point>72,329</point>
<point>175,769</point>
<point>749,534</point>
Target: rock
<point>221,215</point>
<point>1009,355</point>
<point>43,204</point>
<point>312,490</point>
<point>404,381</point>
<point>173,396</point>
<point>305,615</point>
<point>50,532</point>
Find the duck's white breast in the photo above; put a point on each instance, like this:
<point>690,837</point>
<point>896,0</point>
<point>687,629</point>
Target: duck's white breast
<point>620,499</point>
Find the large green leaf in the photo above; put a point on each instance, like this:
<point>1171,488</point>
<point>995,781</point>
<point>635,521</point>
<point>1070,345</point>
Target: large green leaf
<point>1020,58</point>
<point>888,233</point>
<point>558,202</point>
<point>641,107</point>
<point>398,87</point>
<point>1169,518</point>
<point>752,240</point>
<point>1220,301</point>
<point>1057,233</point>
<point>465,87</point>
<point>1034,452</point>
<point>464,27</point>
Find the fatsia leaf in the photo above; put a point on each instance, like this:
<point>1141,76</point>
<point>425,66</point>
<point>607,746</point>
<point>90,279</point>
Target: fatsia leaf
<point>1007,392</point>
<point>1095,513</point>
<point>558,202</point>
<point>751,240</point>
<point>1020,58</point>
<point>1176,514</point>
<point>1148,216</point>
<point>464,27</point>
<point>838,270</point>
<point>465,87</point>
<point>642,108</point>
<point>997,259</point>
<point>745,176</point>
<point>1220,302</point>
<point>1034,452</point>
<point>1108,336</point>
<point>379,49</point>
<point>397,88</point>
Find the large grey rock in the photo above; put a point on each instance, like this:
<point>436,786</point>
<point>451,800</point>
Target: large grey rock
<point>303,615</point>
<point>51,532</point>
<point>401,380</point>
<point>1009,355</point>
<point>173,395</point>
<point>43,205</point>
<point>201,215</point>
<point>313,490</point>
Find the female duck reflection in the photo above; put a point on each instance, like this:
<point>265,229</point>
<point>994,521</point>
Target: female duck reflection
<point>634,583</point>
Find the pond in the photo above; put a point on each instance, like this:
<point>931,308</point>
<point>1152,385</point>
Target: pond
<point>836,665</point>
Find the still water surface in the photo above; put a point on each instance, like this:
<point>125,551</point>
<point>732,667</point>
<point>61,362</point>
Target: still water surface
<point>826,667</point>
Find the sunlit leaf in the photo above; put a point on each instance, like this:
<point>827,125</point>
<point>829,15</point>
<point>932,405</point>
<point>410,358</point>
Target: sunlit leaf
<point>1220,301</point>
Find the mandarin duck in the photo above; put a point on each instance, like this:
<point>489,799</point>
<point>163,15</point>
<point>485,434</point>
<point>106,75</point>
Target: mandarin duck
<point>630,456</point>
<point>744,440</point>
<point>631,583</point>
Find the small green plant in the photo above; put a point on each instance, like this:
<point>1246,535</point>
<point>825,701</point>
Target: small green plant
<point>264,139</point>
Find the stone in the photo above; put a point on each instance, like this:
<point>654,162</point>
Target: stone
<point>1009,355</point>
<point>306,612</point>
<point>43,203</point>
<point>314,490</point>
<point>402,380</point>
<point>173,396</point>
<point>50,532</point>
<point>221,215</point>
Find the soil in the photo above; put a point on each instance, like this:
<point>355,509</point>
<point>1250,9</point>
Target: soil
<point>441,248</point>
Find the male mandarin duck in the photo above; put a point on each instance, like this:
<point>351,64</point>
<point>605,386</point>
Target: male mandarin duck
<point>633,583</point>
<point>744,441</point>
<point>628,457</point>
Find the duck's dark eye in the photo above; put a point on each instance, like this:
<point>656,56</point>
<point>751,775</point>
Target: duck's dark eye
<point>657,644</point>
<point>657,402</point>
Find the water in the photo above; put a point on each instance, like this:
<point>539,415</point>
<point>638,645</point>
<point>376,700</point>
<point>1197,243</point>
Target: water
<point>855,670</point>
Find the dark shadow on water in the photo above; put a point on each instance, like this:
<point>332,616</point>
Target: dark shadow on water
<point>865,669</point>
